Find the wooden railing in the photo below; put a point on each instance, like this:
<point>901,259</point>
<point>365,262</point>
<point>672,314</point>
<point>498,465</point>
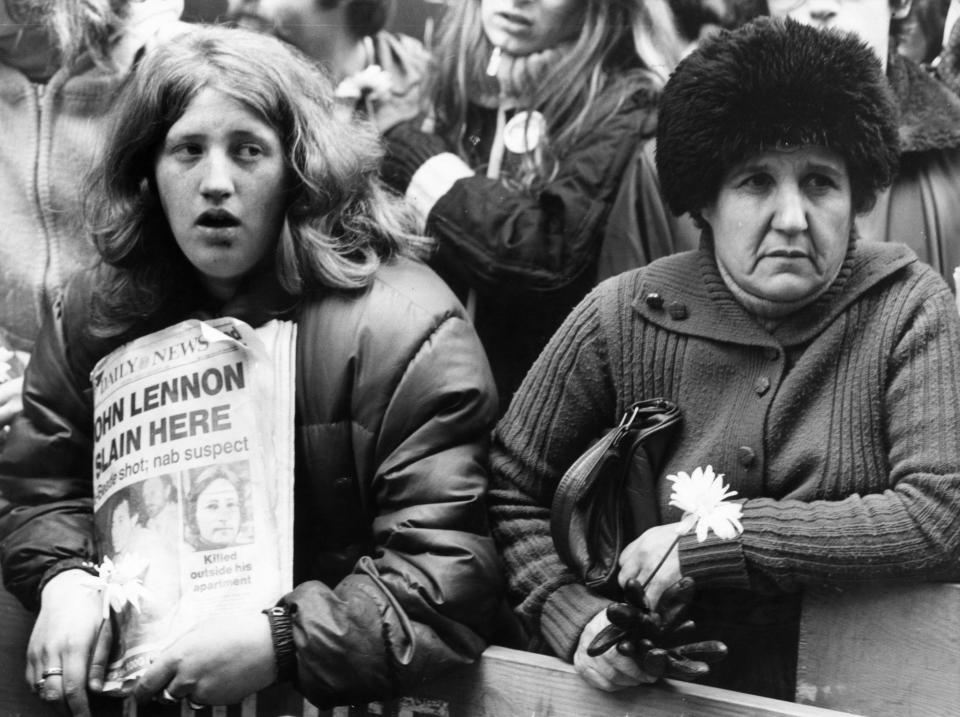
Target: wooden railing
<point>876,650</point>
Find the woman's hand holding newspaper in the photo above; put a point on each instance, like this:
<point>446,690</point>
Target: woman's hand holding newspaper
<point>68,646</point>
<point>218,662</point>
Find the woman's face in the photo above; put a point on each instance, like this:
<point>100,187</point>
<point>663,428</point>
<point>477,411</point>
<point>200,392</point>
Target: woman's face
<point>868,19</point>
<point>782,221</point>
<point>218,513</point>
<point>522,27</point>
<point>222,176</point>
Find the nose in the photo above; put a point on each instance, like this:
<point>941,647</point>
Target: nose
<point>789,215</point>
<point>217,180</point>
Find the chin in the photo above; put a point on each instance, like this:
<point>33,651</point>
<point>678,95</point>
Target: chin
<point>790,292</point>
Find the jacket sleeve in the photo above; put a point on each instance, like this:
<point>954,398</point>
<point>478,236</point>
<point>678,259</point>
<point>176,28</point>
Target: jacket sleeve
<point>908,531</point>
<point>565,401</point>
<point>498,238</point>
<point>418,603</point>
<point>45,469</point>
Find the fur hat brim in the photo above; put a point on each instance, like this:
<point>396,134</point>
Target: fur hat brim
<point>774,84</point>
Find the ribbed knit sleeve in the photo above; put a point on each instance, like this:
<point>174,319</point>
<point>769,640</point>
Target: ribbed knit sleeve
<point>886,502</point>
<point>564,403</point>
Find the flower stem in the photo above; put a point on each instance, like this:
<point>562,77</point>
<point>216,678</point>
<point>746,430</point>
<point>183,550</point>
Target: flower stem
<point>662,560</point>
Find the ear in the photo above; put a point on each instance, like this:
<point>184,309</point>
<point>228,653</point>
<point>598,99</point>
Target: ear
<point>899,9</point>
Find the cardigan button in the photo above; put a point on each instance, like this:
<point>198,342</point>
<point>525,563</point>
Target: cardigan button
<point>771,354</point>
<point>762,385</point>
<point>677,310</point>
<point>747,456</point>
<point>654,301</point>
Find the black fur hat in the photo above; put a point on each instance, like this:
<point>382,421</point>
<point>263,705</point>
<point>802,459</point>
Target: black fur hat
<point>774,84</point>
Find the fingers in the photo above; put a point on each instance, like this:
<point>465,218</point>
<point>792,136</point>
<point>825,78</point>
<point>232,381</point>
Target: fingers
<point>610,671</point>
<point>605,639</point>
<point>708,651</point>
<point>64,684</point>
<point>100,656</point>
<point>73,688</point>
<point>675,602</point>
<point>157,676</point>
<point>635,594</point>
<point>632,560</point>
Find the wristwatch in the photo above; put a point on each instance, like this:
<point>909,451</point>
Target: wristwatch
<point>284,648</point>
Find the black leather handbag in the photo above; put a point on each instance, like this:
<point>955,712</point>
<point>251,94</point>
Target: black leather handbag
<point>608,496</point>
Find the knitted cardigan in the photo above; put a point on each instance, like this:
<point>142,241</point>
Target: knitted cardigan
<point>840,430</point>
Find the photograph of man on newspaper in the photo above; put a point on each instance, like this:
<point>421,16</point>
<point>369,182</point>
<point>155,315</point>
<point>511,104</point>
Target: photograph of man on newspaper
<point>161,508</point>
<point>138,557</point>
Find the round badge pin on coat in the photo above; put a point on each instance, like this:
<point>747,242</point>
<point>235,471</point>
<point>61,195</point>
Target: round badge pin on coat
<point>524,132</point>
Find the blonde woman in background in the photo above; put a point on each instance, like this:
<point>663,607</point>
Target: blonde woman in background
<point>536,108</point>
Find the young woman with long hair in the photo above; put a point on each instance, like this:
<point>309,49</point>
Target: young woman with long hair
<point>536,109</point>
<point>232,186</point>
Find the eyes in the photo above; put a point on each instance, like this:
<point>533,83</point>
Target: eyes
<point>243,152</point>
<point>815,183</point>
<point>220,505</point>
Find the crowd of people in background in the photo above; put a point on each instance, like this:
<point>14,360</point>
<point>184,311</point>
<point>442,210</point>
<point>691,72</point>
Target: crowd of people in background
<point>495,234</point>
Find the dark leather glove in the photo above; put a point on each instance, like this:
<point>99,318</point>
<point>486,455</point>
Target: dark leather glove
<point>655,638</point>
<point>407,149</point>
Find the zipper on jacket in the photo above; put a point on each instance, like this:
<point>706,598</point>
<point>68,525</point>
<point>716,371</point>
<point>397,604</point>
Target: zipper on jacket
<point>39,91</point>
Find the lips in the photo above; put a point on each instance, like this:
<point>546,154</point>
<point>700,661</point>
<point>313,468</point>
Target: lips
<point>217,219</point>
<point>787,254</point>
<point>515,19</point>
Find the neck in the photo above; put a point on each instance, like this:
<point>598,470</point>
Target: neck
<point>768,311</point>
<point>515,78</point>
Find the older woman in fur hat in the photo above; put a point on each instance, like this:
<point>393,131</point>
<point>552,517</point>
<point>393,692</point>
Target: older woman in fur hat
<point>819,374</point>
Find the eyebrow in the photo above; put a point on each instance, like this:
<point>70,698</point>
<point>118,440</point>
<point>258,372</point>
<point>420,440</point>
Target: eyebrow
<point>815,165</point>
<point>191,136</point>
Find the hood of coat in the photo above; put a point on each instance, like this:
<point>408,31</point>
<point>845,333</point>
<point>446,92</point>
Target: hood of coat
<point>929,110</point>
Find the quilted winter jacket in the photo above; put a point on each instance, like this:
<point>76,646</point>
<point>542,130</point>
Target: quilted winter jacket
<point>531,256</point>
<point>396,574</point>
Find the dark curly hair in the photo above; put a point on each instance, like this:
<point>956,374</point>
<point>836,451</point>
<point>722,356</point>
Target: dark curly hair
<point>775,84</point>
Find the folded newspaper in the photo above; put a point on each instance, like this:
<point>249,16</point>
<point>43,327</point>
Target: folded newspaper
<point>193,480</point>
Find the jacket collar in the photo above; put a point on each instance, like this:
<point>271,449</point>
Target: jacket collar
<point>671,296</point>
<point>929,111</point>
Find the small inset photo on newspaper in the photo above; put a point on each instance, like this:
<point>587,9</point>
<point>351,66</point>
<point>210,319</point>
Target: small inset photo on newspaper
<point>216,506</point>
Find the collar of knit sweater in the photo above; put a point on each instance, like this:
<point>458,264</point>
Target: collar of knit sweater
<point>516,77</point>
<point>707,308</point>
